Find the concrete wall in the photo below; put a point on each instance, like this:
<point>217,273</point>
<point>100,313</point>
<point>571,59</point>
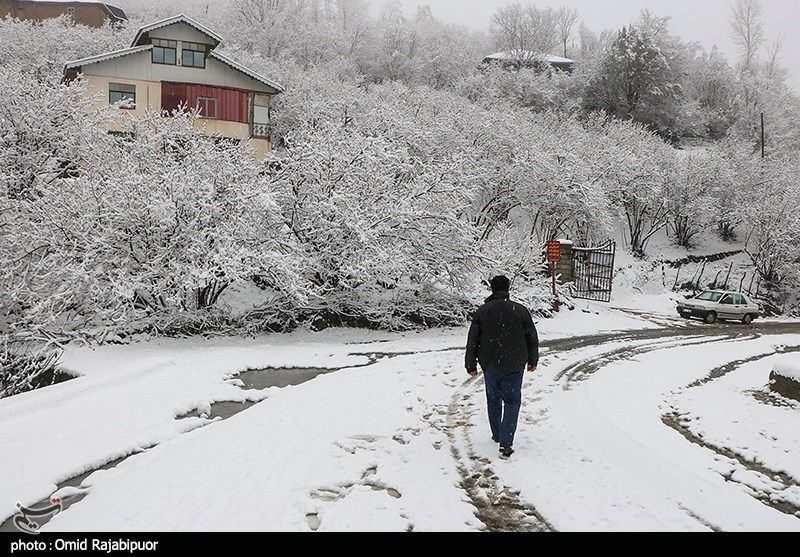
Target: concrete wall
<point>235,130</point>
<point>148,97</point>
<point>92,15</point>
<point>139,66</point>
<point>262,148</point>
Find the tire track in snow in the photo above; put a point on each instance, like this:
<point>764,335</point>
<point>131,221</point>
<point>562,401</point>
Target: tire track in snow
<point>580,371</point>
<point>780,481</point>
<point>497,506</point>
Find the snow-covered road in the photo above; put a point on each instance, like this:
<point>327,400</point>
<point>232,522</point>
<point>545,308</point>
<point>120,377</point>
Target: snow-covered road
<point>654,428</point>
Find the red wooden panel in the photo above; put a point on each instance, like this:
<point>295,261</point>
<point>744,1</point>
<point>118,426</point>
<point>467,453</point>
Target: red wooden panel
<point>231,103</point>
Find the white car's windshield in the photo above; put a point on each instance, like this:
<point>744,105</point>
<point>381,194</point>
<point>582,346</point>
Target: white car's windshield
<point>709,296</point>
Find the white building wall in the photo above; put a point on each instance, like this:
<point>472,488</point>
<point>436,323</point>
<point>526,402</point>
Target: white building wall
<point>139,66</point>
<point>180,32</point>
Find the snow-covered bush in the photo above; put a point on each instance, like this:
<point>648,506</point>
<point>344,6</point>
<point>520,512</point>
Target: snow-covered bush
<point>24,369</point>
<point>374,223</point>
<point>401,175</point>
<point>40,49</point>
<point>159,223</point>
<point>773,228</point>
<point>638,167</point>
<point>533,89</point>
<point>46,129</point>
<point>689,195</point>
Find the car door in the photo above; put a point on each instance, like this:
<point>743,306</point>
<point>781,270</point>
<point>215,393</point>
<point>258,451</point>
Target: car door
<point>747,306</point>
<point>739,305</point>
<point>727,307</point>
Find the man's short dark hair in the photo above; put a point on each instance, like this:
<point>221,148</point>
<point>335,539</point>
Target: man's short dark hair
<point>500,284</point>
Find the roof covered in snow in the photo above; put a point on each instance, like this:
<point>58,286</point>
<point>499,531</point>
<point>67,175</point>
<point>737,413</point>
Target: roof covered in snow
<point>528,56</point>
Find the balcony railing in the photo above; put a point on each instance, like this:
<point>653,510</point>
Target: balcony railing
<point>260,130</point>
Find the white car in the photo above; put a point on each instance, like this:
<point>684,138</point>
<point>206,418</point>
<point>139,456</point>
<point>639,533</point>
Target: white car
<point>718,304</point>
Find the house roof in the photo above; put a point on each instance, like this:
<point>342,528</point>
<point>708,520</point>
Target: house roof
<point>119,13</point>
<point>106,56</point>
<point>181,18</point>
<point>236,66</point>
<point>528,56</point>
<point>115,12</point>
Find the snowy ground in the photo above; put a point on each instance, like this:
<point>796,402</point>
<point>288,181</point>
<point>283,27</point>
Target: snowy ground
<point>650,429</point>
<point>789,367</point>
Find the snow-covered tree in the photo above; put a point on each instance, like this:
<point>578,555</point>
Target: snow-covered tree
<point>522,28</point>
<point>635,76</point>
<point>566,26</point>
<point>773,234</point>
<point>747,30</point>
<point>636,181</point>
<point>689,195</point>
<point>41,48</point>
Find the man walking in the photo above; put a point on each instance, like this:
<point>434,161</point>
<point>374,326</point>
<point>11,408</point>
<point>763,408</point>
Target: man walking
<point>503,339</point>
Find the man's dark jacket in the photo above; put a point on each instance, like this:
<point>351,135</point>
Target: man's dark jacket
<point>502,337</point>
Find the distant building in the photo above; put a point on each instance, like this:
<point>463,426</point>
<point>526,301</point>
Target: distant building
<point>174,62</point>
<point>528,59</point>
<point>92,14</point>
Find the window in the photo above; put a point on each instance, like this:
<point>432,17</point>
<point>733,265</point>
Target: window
<point>193,55</point>
<point>709,296</point>
<point>727,300</point>
<point>122,92</point>
<point>165,52</point>
<point>207,107</point>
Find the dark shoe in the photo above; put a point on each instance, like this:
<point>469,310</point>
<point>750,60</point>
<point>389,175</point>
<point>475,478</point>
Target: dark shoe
<point>506,452</point>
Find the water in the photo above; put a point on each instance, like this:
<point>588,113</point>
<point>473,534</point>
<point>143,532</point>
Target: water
<point>253,379</point>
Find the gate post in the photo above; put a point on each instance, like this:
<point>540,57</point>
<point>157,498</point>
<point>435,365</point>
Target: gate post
<point>553,257</point>
<point>565,268</point>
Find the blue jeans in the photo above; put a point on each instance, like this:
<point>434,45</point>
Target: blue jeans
<point>503,400</point>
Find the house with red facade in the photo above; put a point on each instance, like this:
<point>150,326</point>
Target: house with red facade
<point>173,63</point>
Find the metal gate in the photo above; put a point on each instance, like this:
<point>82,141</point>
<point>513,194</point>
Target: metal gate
<point>594,271</point>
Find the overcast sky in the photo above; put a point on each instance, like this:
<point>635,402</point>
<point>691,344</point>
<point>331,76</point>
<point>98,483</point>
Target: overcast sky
<point>705,21</point>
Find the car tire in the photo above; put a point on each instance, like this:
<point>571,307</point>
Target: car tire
<point>747,319</point>
<point>711,317</point>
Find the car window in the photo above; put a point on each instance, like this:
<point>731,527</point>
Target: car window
<point>709,296</point>
<point>743,300</point>
<point>727,300</point>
